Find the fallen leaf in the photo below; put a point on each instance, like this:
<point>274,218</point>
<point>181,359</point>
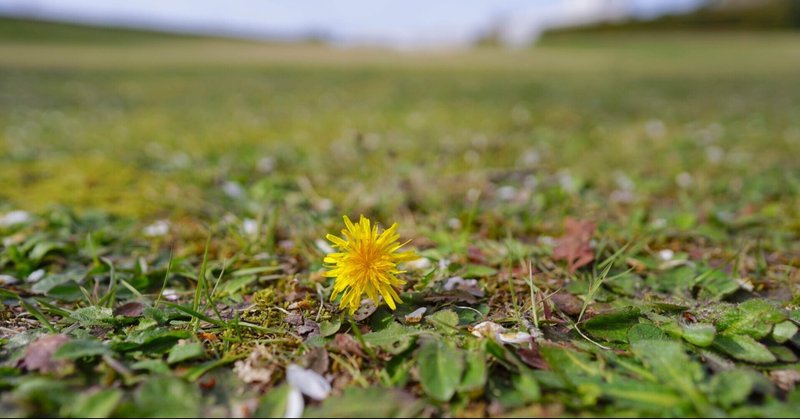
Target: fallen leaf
<point>346,344</point>
<point>574,246</point>
<point>39,355</point>
<point>131,309</point>
<point>256,368</point>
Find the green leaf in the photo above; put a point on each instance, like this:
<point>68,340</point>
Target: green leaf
<point>395,338</point>
<point>700,334</point>
<point>234,285</point>
<point>440,369</point>
<point>645,331</point>
<point>754,318</point>
<point>274,403</point>
<point>784,331</point>
<point>328,328</point>
<point>643,396</point>
<point>184,352</point>
<point>475,372</point>
<point>668,361</point>
<point>167,397</point>
<point>155,366</point>
<point>716,285</point>
<point>97,405</point>
<point>75,349</point>
<point>372,402</point>
<point>478,271</point>
<point>573,366</point>
<point>445,321</point>
<point>744,348</point>
<point>93,316</point>
<point>731,387</point>
<point>613,326</point>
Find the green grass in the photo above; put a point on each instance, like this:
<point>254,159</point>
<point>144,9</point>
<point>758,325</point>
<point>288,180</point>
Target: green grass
<point>681,147</point>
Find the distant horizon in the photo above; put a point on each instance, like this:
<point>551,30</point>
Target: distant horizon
<point>412,24</point>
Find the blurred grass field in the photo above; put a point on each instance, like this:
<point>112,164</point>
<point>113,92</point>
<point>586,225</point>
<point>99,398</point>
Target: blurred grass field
<point>131,149</point>
<point>141,123</point>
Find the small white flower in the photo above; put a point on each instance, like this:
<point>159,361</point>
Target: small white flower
<point>308,382</point>
<point>158,228</point>
<point>232,189</point>
<point>170,295</point>
<point>506,193</point>
<point>684,180</point>
<point>14,217</point>
<point>250,227</point>
<point>666,254</point>
<point>266,164</point>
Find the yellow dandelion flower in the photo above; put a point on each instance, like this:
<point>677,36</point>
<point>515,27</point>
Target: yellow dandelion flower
<point>366,263</point>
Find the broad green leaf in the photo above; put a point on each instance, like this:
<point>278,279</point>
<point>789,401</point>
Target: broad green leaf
<point>395,338</point>
<point>731,387</point>
<point>328,328</point>
<point>573,366</point>
<point>478,271</point>
<point>184,352</point>
<point>75,349</point>
<point>475,371</point>
<point>644,396</point>
<point>167,397</point>
<point>613,326</point>
<point>673,367</point>
<point>645,331</point>
<point>445,321</point>
<point>372,402</point>
<point>700,334</point>
<point>716,285</point>
<point>440,369</point>
<point>784,331</point>
<point>274,403</point>
<point>155,366</point>
<point>234,285</point>
<point>754,318</point>
<point>97,405</point>
<point>744,348</point>
<point>93,316</point>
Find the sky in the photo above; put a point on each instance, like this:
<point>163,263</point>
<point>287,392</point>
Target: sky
<point>394,23</point>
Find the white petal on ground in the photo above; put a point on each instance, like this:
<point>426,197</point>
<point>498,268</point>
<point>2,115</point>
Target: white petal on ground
<point>487,329</point>
<point>8,280</point>
<point>35,275</point>
<point>158,228</point>
<point>515,337</point>
<point>232,189</point>
<point>324,246</point>
<point>308,382</point>
<point>14,217</point>
<point>250,227</point>
<point>666,254</point>
<point>419,264</point>
<point>294,404</point>
<point>416,315</point>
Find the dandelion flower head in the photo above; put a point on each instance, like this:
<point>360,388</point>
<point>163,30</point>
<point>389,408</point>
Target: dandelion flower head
<point>366,263</point>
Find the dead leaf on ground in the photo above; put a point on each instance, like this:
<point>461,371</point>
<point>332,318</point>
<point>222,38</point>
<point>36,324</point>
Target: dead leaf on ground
<point>131,309</point>
<point>574,246</point>
<point>39,355</point>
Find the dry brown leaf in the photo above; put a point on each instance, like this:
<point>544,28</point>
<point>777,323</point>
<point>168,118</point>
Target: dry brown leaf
<point>574,246</point>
